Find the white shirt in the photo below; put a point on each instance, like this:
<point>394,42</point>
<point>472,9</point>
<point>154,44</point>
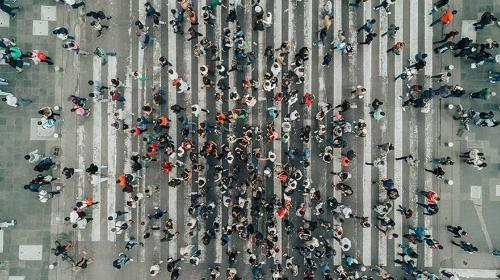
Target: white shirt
<point>47,123</point>
<point>173,75</point>
<point>35,157</point>
<point>11,99</point>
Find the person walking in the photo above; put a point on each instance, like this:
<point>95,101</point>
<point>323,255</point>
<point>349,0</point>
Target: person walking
<point>409,159</point>
<point>484,94</point>
<point>438,5</point>
<point>14,101</point>
<point>369,39</point>
<point>430,208</point>
<point>368,26</point>
<point>458,231</point>
<point>357,3</point>
<point>71,45</point>
<point>74,4</point>
<point>96,24</point>
<point>193,33</point>
<point>466,246</point>
<point>396,48</point>
<point>38,56</point>
<point>448,36</point>
<point>438,171</point>
<point>445,18</point>
<point>486,19</point>
<point>430,196</point>
<point>391,31</point>
<point>11,11</point>
<point>385,4</point>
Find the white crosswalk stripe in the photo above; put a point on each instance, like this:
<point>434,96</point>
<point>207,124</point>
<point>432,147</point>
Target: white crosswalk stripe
<point>172,99</point>
<point>96,154</point>
<point>367,144</point>
<point>112,143</point>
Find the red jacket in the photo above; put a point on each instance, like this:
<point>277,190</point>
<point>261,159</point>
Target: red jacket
<point>447,17</point>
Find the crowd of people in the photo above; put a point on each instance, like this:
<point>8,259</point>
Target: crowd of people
<point>240,173</point>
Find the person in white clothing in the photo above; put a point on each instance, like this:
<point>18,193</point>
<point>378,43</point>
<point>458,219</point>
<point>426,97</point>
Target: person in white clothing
<point>73,3</point>
<point>268,19</point>
<point>196,110</point>
<point>155,269</point>
<point>14,101</point>
<point>34,157</point>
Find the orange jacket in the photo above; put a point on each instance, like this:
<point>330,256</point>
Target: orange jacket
<point>122,180</point>
<point>163,120</point>
<point>447,17</point>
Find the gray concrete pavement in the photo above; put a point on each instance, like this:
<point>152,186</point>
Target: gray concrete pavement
<point>472,201</point>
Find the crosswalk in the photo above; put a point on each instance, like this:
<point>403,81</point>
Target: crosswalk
<point>371,66</point>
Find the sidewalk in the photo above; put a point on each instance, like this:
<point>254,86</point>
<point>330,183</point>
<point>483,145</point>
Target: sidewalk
<point>35,83</point>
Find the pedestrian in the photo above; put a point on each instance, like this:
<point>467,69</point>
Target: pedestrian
<point>396,48</point>
<point>164,62</point>
<point>409,159</point>
<point>71,45</point>
<point>443,77</point>
<point>369,38</point>
<point>74,4</point>
<point>14,101</point>
<point>155,269</point>
<point>438,5</point>
<point>121,261</point>
<point>391,31</point>
<point>99,15</point>
<point>357,3</point>
<point>193,33</point>
<point>466,246</point>
<point>431,196</point>
<point>458,231</point>
<point>450,36</point>
<point>486,19</point>
<point>368,25</point>
<point>34,157</point>
<point>96,24</point>
<point>494,76</point>
<point>38,56</point>
<point>385,4</point>
<point>446,18</point>
<point>484,94</point>
<point>430,208</point>
<point>11,11</point>
<point>62,33</point>
<point>438,171</point>
<point>406,212</point>
<point>144,38</point>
